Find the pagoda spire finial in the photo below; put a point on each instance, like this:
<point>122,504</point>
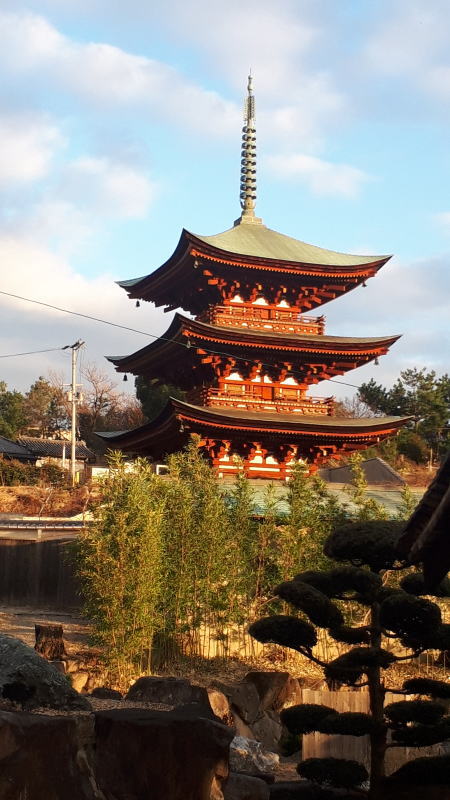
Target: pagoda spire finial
<point>248,159</point>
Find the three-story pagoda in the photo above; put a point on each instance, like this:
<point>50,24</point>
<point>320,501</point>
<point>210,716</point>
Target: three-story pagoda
<point>251,348</point>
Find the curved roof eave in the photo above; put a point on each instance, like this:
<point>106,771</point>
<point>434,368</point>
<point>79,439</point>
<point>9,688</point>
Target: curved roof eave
<point>246,337</point>
<point>258,241</point>
<point>263,244</point>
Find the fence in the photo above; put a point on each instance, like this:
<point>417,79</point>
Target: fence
<point>319,745</point>
<point>39,574</point>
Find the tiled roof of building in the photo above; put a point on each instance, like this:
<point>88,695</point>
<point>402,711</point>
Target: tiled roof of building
<point>53,448</point>
<point>10,449</point>
<point>262,242</point>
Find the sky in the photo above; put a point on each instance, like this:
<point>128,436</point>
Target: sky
<point>120,124</point>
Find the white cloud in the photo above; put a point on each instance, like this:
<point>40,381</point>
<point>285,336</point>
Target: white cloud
<point>103,74</point>
<point>30,269</point>
<point>443,220</point>
<point>109,188</point>
<point>413,42</point>
<point>27,146</point>
<point>321,177</point>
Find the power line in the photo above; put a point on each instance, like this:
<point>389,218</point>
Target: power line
<point>134,330</point>
<point>32,352</point>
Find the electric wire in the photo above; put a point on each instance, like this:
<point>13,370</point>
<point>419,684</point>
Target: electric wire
<point>31,352</point>
<point>136,330</point>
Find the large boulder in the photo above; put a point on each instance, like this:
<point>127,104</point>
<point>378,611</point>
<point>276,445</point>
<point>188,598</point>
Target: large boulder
<point>247,755</point>
<point>268,730</point>
<point>276,690</point>
<point>27,678</point>
<point>42,758</point>
<point>244,787</point>
<point>170,691</point>
<point>243,698</point>
<point>305,790</point>
<point>162,755</point>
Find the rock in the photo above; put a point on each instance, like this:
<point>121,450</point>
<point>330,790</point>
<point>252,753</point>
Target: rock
<point>171,691</point>
<point>79,680</point>
<point>267,777</point>
<point>268,685</point>
<point>305,790</point>
<point>240,727</point>
<point>104,693</point>
<point>243,697</point>
<point>60,666</point>
<point>27,678</point>
<point>160,754</point>
<point>276,690</point>
<point>268,730</point>
<point>247,755</point>
<point>243,787</point>
<point>41,759</point>
<point>220,705</point>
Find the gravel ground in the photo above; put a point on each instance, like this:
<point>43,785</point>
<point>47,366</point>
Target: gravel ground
<point>20,622</point>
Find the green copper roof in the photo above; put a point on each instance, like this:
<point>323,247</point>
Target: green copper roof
<point>253,239</point>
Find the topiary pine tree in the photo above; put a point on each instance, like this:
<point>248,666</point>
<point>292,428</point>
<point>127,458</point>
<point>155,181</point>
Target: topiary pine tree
<point>401,614</point>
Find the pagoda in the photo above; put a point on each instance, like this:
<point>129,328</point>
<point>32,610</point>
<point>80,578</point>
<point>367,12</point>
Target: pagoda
<point>250,349</point>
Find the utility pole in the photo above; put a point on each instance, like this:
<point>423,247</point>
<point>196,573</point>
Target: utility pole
<point>74,401</point>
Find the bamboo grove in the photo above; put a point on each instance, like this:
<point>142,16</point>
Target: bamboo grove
<point>176,565</point>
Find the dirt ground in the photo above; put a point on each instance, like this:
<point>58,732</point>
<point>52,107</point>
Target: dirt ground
<point>20,622</point>
<point>37,501</point>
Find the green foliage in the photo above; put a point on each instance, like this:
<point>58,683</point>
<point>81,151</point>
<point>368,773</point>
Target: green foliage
<point>433,770</point>
<point>347,723</point>
<point>310,717</point>
<point>16,473</point>
<point>349,635</point>
<point>426,712</point>
<point>44,407</point>
<point>408,503</point>
<point>414,583</point>
<point>304,718</point>
<point>423,735</point>
<point>195,537</point>
<point>413,446</point>
<point>320,610</point>
<point>153,396</point>
<point>366,508</point>
<point>342,582</point>
<point>409,617</point>
<point>12,412</point>
<point>351,666</point>
<point>285,631</point>
<point>427,686</point>
<point>389,612</point>
<point>371,543</point>
<point>119,562</point>
<point>313,514</point>
<point>333,771</point>
<point>422,395</point>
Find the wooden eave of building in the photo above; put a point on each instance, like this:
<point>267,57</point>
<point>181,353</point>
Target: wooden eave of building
<point>171,349</point>
<point>171,429</point>
<point>181,279</point>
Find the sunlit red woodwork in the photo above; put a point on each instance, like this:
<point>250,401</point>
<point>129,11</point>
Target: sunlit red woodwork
<point>248,357</point>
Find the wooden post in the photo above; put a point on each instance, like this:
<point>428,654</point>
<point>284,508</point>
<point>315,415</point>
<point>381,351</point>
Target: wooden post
<point>49,641</point>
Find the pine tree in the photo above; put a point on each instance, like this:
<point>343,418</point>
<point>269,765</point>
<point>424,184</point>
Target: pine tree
<point>366,550</point>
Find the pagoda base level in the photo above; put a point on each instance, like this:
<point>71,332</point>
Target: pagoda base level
<point>264,444</point>
<point>255,461</point>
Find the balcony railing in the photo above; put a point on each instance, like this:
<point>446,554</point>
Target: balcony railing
<point>314,406</point>
<point>280,320</point>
